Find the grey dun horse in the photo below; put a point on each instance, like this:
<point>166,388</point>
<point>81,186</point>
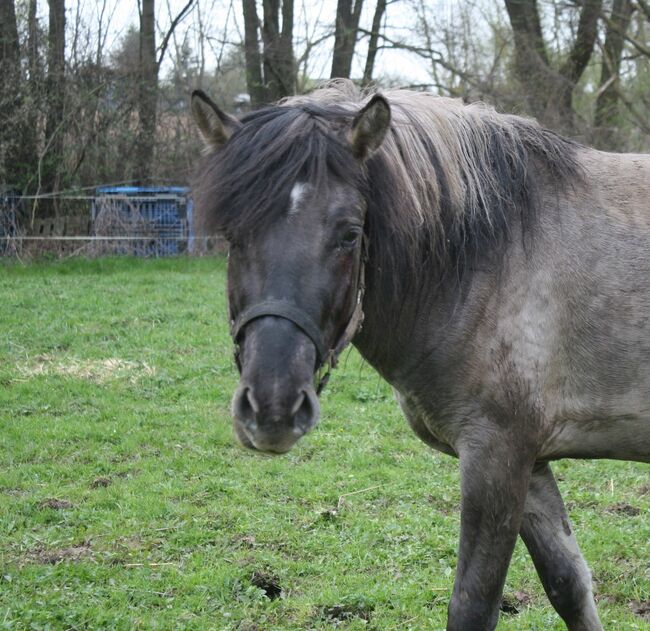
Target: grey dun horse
<point>502,274</point>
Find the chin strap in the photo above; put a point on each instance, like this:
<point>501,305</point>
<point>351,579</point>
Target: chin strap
<point>327,355</point>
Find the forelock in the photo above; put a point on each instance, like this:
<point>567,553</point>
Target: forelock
<point>248,183</point>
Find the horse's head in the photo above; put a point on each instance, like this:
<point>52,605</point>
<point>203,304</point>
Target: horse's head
<point>288,193</point>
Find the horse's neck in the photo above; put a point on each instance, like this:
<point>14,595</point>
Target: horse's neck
<point>397,321</point>
<point>384,332</point>
<point>406,329</point>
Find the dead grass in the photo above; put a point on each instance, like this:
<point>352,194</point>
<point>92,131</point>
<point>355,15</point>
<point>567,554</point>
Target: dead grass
<point>95,370</point>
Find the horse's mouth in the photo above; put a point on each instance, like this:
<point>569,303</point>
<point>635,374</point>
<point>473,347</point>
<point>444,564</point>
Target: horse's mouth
<point>273,424</point>
<point>277,446</point>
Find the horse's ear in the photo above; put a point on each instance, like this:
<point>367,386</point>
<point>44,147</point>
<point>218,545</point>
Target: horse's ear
<point>215,126</point>
<point>369,127</point>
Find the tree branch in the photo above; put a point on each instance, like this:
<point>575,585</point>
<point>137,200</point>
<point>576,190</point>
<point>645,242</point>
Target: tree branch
<point>644,5</point>
<point>525,22</point>
<point>583,45</point>
<point>175,22</point>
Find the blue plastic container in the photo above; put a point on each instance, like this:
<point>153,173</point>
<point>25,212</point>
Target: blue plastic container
<point>166,211</point>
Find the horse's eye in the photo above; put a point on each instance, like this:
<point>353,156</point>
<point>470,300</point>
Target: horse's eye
<point>350,238</point>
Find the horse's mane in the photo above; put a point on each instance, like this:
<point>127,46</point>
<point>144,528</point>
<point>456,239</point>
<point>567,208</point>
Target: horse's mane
<point>449,181</point>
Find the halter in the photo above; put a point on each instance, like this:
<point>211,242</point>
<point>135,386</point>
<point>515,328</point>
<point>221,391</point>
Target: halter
<point>327,355</point>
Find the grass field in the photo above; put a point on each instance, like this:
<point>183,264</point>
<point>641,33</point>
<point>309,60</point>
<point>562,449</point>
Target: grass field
<point>125,502</point>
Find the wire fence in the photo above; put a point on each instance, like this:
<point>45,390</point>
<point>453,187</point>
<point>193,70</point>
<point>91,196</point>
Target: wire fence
<point>75,224</point>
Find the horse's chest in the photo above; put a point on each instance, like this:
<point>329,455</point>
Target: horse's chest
<point>424,423</point>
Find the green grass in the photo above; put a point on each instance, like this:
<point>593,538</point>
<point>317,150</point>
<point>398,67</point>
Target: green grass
<point>125,502</point>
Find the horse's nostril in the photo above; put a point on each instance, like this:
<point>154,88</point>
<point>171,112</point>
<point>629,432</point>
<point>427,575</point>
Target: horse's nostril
<point>252,401</point>
<point>273,424</point>
<point>305,411</point>
<point>299,401</point>
<point>245,405</point>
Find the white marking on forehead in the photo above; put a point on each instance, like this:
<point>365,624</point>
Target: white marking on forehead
<point>297,193</point>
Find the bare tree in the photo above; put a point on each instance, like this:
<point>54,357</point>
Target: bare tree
<point>346,30</point>
<point>33,91</point>
<point>548,88</point>
<point>277,35</point>
<point>9,89</point>
<point>252,55</point>
<point>270,74</point>
<point>150,61</point>
<point>373,43</point>
<point>608,93</point>
<point>9,46</point>
<point>147,92</point>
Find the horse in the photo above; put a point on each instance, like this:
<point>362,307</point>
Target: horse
<point>496,274</point>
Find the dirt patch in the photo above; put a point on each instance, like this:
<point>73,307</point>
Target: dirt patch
<point>268,583</point>
<point>96,370</point>
<point>101,482</point>
<point>58,555</point>
<point>644,490</point>
<point>56,504</point>
<point>14,492</point>
<point>624,509</point>
<point>608,599</point>
<point>513,603</point>
<point>348,611</point>
<point>640,608</point>
<point>248,541</point>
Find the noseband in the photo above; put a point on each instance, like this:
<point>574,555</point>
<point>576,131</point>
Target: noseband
<point>327,355</point>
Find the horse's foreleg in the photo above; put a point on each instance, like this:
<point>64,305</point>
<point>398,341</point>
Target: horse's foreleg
<point>547,533</point>
<point>494,482</point>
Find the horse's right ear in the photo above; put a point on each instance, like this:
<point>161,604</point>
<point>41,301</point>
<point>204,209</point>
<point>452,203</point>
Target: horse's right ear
<point>215,126</point>
<point>369,127</point>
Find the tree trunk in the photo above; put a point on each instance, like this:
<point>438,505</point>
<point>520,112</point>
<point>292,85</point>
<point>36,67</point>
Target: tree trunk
<point>55,97</point>
<point>9,50</point>
<point>9,92</point>
<point>549,90</point>
<point>279,64</point>
<point>254,80</point>
<point>147,93</point>
<point>33,63</point>
<point>348,13</point>
<point>607,101</point>
<point>33,92</point>
<point>373,44</point>
<point>270,75</point>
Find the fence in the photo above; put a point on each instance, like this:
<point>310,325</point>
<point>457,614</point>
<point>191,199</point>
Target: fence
<point>152,221</point>
<point>11,211</point>
<point>162,216</point>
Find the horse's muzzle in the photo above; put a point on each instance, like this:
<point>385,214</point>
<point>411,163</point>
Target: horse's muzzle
<point>275,403</point>
<point>273,425</point>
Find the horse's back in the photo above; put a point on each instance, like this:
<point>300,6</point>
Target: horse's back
<point>600,389</point>
<point>619,183</point>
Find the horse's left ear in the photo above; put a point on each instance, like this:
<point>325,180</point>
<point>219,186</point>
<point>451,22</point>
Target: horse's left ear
<point>215,126</point>
<point>369,127</point>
